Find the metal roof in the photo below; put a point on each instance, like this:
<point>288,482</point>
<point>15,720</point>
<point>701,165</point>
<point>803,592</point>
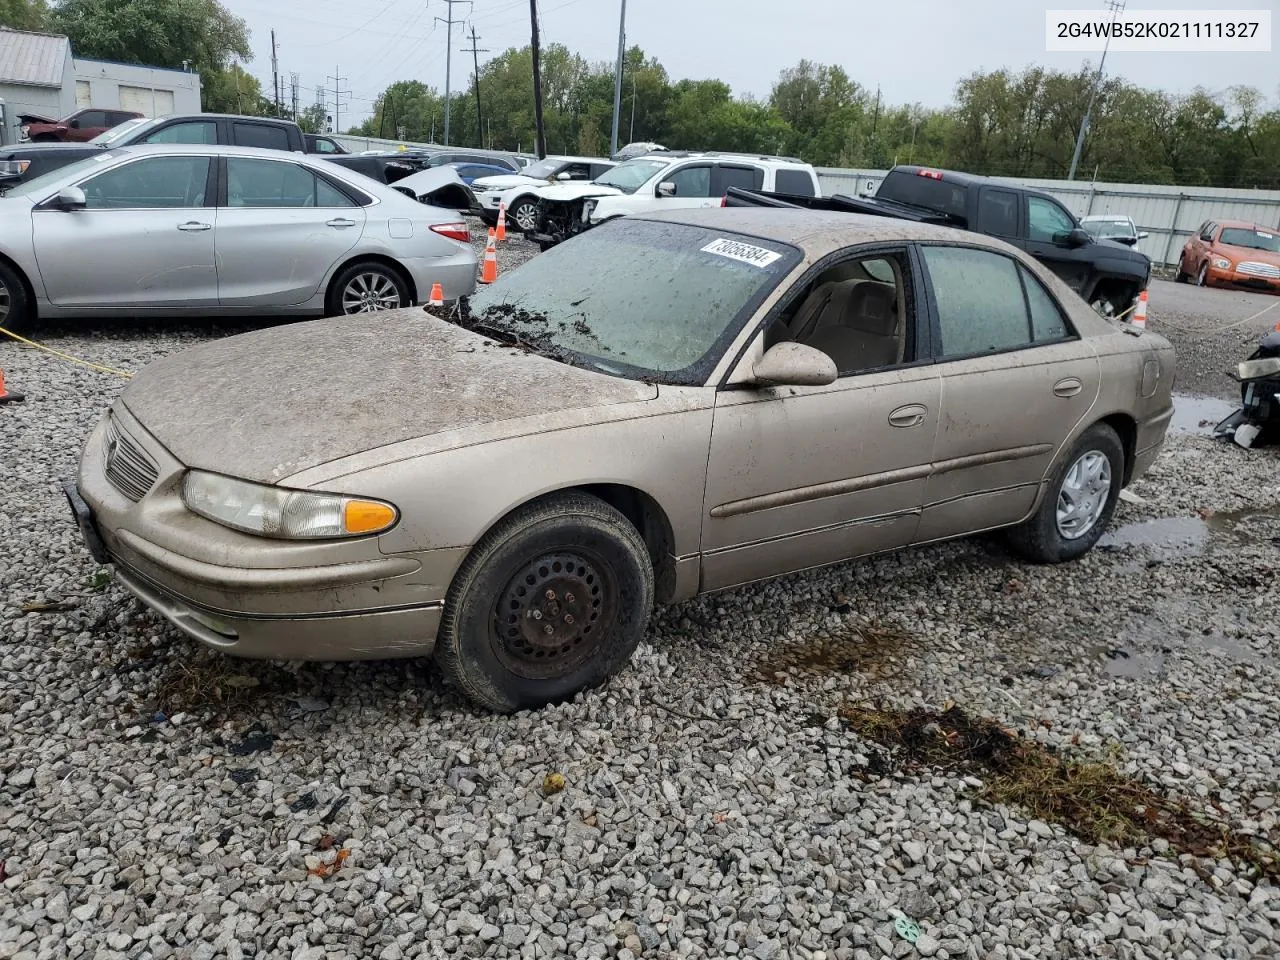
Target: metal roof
<point>35,59</point>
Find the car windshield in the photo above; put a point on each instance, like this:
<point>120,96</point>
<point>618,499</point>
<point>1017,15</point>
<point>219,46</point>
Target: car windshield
<point>1253,239</point>
<point>543,169</point>
<point>1109,228</point>
<point>69,174</point>
<point>108,137</point>
<point>632,175</point>
<point>639,299</point>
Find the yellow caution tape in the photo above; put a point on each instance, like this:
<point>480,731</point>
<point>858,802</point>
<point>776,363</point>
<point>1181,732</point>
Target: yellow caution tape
<point>66,356</point>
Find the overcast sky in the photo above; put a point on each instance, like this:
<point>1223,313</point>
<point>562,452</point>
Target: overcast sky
<point>914,50</point>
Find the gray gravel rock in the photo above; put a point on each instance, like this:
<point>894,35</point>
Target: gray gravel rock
<point>706,813</point>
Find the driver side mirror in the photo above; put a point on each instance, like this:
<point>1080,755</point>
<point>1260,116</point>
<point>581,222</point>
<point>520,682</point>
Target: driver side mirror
<point>566,175</point>
<point>666,189</point>
<point>1143,235</point>
<point>74,124</point>
<point>70,198</point>
<point>1079,237</point>
<point>791,364</point>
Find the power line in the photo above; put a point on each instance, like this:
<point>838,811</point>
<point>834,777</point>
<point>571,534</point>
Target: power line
<point>448,60</point>
<point>475,52</point>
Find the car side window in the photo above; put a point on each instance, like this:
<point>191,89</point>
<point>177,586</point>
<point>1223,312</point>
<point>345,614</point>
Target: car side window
<point>860,312</point>
<point>1046,220</point>
<point>1206,234</point>
<point>998,213</point>
<point>260,135</point>
<point>797,183</point>
<point>325,146</point>
<point>92,118</point>
<point>578,171</point>
<point>194,131</point>
<point>979,300</point>
<point>272,183</point>
<point>1047,320</point>
<point>599,170</point>
<point>150,183</point>
<point>691,181</point>
<point>118,117</point>
<point>745,178</point>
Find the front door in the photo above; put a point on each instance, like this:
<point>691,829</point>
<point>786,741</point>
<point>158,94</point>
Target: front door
<point>1048,225</point>
<point>804,476</point>
<point>144,239</point>
<point>693,188</point>
<point>1016,380</point>
<point>280,233</point>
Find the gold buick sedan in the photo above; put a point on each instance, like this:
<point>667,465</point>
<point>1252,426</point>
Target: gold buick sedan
<point>661,407</point>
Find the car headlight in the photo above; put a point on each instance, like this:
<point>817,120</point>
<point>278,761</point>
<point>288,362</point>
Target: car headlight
<point>14,168</point>
<point>1222,263</point>
<point>1256,369</point>
<point>281,513</point>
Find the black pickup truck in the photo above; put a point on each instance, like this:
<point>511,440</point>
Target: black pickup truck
<point>1108,275</point>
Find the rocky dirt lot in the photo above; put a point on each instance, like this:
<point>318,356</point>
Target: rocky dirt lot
<point>1023,761</point>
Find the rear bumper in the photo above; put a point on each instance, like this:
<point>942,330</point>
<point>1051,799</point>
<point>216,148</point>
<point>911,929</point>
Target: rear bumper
<point>456,274</point>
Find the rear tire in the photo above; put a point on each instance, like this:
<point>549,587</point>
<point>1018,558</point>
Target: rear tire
<point>552,601</point>
<point>1079,503</point>
<point>15,305</point>
<point>367,287</point>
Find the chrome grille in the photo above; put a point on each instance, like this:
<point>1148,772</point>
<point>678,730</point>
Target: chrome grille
<point>1256,269</point>
<point>128,468</point>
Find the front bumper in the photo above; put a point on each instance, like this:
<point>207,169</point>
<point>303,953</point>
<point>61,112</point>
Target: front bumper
<point>252,596</point>
<point>1232,278</point>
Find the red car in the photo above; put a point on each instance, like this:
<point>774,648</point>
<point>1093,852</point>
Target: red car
<point>81,126</point>
<point>1232,253</point>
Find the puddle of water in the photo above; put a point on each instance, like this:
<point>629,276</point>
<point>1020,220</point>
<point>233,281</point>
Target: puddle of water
<point>1251,523</point>
<point>1144,644</point>
<point>1193,413</point>
<point>1135,665</point>
<point>1169,538</point>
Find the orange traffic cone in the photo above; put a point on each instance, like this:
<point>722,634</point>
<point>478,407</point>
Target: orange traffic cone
<point>1140,311</point>
<point>437,296</point>
<point>5,395</point>
<point>490,271</point>
<point>502,222</point>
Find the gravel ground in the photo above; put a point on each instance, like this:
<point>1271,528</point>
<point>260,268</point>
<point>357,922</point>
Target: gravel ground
<point>157,800</point>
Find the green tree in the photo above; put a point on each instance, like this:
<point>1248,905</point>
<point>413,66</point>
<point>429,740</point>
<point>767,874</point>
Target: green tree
<point>233,90</point>
<point>312,119</point>
<point>24,14</point>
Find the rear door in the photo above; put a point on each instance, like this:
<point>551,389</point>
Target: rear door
<point>281,231</point>
<point>1016,380</point>
<point>145,238</point>
<point>1047,225</point>
<point>1000,214</point>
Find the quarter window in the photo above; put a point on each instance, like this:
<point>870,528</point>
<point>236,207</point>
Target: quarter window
<point>1046,220</point>
<point>272,183</point>
<point>1047,321</point>
<point>151,183</point>
<point>980,303</point>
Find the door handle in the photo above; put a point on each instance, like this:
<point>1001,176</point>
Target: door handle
<point>340,222</point>
<point>1068,387</point>
<point>195,225</point>
<point>912,415</point>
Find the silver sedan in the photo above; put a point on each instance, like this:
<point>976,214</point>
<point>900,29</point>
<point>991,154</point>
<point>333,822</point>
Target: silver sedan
<point>171,230</point>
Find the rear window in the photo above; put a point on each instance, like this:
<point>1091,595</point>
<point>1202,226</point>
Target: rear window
<point>1253,239</point>
<point>798,183</point>
<point>637,298</point>
<point>1108,228</point>
<point>925,192</point>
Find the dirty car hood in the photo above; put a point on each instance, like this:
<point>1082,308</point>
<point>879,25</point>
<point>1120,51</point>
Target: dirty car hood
<point>269,404</point>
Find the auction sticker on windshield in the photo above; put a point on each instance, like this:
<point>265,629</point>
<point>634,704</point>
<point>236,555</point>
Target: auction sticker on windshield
<point>742,252</point>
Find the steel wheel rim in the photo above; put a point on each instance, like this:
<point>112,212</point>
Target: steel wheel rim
<point>1083,496</point>
<point>6,302</point>
<point>525,216</point>
<point>554,614</point>
<point>370,292</point>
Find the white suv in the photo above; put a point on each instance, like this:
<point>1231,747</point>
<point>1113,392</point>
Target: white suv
<point>663,181</point>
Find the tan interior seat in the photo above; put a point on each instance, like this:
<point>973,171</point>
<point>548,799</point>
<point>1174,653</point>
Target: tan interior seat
<point>864,334</point>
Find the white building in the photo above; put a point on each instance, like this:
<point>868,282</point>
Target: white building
<point>39,75</point>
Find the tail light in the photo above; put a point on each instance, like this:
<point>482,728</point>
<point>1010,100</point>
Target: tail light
<point>454,231</point>
<point>724,201</point>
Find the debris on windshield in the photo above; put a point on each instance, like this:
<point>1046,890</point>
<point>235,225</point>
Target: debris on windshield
<point>509,325</point>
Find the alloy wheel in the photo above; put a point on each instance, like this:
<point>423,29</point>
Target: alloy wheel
<point>525,216</point>
<point>1083,496</point>
<point>370,292</point>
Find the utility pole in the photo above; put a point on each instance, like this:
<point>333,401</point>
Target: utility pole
<point>475,52</point>
<point>293,94</point>
<point>541,147</point>
<point>338,94</point>
<point>1116,7</point>
<point>633,105</point>
<point>275,72</point>
<point>617,77</point>
<point>448,60</point>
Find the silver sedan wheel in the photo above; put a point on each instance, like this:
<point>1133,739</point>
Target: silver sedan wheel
<point>1083,496</point>
<point>370,292</point>
<point>525,215</point>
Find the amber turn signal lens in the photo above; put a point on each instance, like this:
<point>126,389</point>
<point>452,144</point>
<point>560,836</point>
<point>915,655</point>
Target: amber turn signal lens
<point>365,516</point>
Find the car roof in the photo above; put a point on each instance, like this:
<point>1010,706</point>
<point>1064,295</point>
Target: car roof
<point>819,232</point>
<point>1244,225</point>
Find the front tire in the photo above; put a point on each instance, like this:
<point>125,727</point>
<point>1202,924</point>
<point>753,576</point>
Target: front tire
<point>368,287</point>
<point>1202,278</point>
<point>525,214</point>
<point>550,602</point>
<point>15,306</point>
<point>1079,503</point>
<point>1181,275</point>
